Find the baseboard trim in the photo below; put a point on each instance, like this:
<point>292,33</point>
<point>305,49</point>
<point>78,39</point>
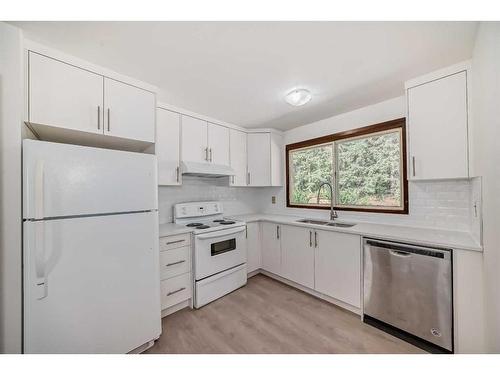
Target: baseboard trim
<point>175,308</point>
<point>312,292</point>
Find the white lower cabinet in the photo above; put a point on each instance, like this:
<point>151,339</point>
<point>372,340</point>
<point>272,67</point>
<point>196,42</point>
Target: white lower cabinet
<point>325,261</point>
<point>254,251</point>
<point>338,266</point>
<point>175,272</point>
<point>297,255</point>
<point>271,248</point>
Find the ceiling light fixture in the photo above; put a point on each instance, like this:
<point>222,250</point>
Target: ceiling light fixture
<point>298,97</point>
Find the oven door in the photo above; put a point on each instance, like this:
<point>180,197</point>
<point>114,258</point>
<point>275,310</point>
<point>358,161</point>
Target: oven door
<point>218,251</point>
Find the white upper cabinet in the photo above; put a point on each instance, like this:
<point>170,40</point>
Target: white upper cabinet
<point>438,125</point>
<point>167,147</point>
<point>218,144</point>
<point>338,266</point>
<point>64,96</point>
<point>238,157</point>
<point>70,102</point>
<point>264,159</point>
<point>297,254</point>
<point>194,145</point>
<point>129,111</point>
<point>271,248</point>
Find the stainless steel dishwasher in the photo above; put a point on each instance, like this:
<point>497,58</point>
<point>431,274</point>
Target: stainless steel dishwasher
<point>408,292</point>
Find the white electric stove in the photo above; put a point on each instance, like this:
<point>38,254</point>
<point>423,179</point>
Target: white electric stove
<point>219,251</point>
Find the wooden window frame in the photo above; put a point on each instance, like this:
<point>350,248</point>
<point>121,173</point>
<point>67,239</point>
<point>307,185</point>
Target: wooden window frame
<point>399,123</point>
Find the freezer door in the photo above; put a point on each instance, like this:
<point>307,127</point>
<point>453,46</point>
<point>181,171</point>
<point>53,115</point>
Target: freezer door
<point>91,284</point>
<point>68,180</point>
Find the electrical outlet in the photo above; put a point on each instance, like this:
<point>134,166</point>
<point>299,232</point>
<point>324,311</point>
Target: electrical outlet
<point>273,199</point>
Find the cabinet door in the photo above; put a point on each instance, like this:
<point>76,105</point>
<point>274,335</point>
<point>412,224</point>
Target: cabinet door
<point>130,111</point>
<point>259,159</point>
<point>297,255</point>
<point>218,144</point>
<point>238,157</point>
<point>194,145</point>
<point>271,248</point>
<point>276,160</point>
<point>64,96</point>
<point>254,259</point>
<point>437,113</point>
<point>338,266</point>
<point>167,147</point>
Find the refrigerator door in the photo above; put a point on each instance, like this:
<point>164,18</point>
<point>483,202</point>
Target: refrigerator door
<point>91,284</point>
<point>67,180</point>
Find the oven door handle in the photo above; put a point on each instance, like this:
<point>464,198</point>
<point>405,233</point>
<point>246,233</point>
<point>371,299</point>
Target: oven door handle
<point>220,233</point>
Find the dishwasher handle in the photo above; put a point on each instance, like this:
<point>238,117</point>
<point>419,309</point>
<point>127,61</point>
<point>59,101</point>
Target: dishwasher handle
<point>404,250</point>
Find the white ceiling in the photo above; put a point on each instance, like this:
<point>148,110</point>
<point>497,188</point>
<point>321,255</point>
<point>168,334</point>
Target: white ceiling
<point>239,72</point>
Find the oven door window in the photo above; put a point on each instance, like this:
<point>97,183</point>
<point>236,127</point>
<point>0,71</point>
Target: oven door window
<point>223,246</point>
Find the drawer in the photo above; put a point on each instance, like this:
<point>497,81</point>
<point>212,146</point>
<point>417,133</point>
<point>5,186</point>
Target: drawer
<point>173,242</point>
<point>175,262</point>
<point>175,290</point>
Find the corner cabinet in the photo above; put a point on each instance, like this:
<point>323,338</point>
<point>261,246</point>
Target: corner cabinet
<point>254,252</point>
<point>437,114</point>
<point>238,159</point>
<point>167,151</point>
<point>264,159</point>
<point>271,248</point>
<point>66,103</point>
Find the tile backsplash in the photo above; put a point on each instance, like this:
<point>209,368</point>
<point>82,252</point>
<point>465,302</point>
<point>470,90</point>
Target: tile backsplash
<point>434,204</point>
<point>235,200</point>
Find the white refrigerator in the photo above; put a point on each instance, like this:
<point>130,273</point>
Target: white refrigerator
<point>90,252</point>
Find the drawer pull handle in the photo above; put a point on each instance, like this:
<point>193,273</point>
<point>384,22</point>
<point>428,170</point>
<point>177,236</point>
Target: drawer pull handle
<point>174,263</point>
<point>176,291</point>
<point>177,241</point>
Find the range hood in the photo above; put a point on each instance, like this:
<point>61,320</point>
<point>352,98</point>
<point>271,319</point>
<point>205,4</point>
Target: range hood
<point>190,168</point>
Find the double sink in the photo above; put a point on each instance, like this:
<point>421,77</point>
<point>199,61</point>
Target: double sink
<point>326,223</point>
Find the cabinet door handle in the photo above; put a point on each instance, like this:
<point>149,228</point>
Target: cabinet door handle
<point>175,263</point>
<point>109,116</point>
<point>248,178</point>
<point>177,173</point>
<point>177,241</point>
<point>206,153</point>
<point>277,232</point>
<point>310,239</point>
<point>98,117</point>
<point>233,179</point>
<point>315,239</point>
<point>210,155</point>
<point>413,164</point>
<point>176,291</point>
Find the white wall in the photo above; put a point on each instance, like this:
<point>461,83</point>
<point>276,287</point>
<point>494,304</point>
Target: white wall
<point>10,189</point>
<point>434,204</point>
<point>486,134</point>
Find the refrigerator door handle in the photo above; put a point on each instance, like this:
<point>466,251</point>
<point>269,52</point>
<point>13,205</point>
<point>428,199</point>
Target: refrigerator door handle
<point>39,187</point>
<point>41,277</point>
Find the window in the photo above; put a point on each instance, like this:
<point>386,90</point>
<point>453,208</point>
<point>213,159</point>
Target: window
<point>365,166</point>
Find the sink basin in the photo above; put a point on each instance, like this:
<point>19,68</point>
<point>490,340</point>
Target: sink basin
<point>312,221</point>
<point>327,223</point>
<point>340,225</point>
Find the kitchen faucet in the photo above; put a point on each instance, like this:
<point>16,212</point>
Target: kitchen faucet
<point>333,213</point>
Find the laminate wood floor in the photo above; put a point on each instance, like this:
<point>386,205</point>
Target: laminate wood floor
<point>267,316</point>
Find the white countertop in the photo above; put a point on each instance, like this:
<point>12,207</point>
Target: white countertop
<point>423,236</point>
<point>171,229</point>
<point>417,235</point>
